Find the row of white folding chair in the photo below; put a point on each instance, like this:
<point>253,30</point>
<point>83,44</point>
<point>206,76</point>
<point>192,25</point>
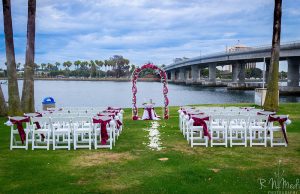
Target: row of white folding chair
<point>237,127</point>
<point>67,130</point>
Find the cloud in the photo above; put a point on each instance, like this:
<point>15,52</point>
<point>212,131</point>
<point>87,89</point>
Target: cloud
<point>145,30</point>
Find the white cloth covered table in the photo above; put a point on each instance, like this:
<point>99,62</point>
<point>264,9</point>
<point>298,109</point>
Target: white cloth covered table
<point>149,112</point>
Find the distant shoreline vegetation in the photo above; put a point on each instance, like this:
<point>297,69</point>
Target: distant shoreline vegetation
<point>116,68</point>
<point>121,79</point>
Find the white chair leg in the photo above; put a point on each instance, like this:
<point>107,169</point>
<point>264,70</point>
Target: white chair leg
<point>48,140</point>
<point>225,136</point>
<point>212,138</point>
<point>265,138</point>
<point>230,138</point>
<point>75,139</point>
<point>11,137</point>
<point>90,140</point>
<point>54,141</point>
<point>32,140</point>
<point>245,137</point>
<point>192,139</point>
<point>69,140</point>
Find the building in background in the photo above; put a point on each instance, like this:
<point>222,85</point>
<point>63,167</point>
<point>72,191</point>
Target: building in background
<point>236,48</point>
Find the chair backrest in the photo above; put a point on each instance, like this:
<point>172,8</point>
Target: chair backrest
<point>258,120</point>
<point>219,119</point>
<point>61,121</point>
<point>82,119</point>
<point>44,122</point>
<point>239,120</point>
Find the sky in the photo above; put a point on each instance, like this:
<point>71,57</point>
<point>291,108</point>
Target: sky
<point>145,30</point>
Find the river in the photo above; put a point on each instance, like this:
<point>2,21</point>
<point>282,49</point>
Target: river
<point>110,93</point>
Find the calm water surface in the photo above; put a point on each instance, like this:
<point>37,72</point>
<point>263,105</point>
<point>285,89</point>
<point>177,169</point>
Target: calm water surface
<point>109,93</point>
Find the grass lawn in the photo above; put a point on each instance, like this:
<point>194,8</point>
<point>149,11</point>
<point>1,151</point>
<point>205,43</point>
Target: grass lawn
<point>131,167</point>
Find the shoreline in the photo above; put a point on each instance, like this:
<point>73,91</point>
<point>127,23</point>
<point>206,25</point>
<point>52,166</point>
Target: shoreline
<point>94,79</point>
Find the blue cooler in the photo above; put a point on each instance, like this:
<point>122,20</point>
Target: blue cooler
<point>48,102</point>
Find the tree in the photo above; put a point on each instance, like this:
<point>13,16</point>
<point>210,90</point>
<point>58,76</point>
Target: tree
<point>121,64</point>
<point>57,64</point>
<point>271,102</point>
<point>77,64</point>
<point>28,84</point>
<point>99,64</point>
<point>93,69</point>
<point>67,65</point>
<point>14,105</point>
<point>43,65</point>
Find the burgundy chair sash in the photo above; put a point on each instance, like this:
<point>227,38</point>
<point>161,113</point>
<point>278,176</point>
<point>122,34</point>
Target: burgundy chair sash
<point>200,121</point>
<point>19,123</point>
<point>280,120</point>
<point>37,124</point>
<point>103,121</point>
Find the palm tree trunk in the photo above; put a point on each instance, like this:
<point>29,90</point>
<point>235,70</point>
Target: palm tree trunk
<point>3,107</point>
<point>13,91</point>
<point>272,97</point>
<point>28,84</point>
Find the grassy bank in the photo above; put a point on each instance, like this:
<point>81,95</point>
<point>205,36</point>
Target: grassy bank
<point>131,167</point>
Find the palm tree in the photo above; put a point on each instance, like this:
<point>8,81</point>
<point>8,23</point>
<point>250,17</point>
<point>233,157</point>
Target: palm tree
<point>77,63</point>
<point>57,64</point>
<point>272,101</point>
<point>43,65</point>
<point>13,90</point>
<point>67,65</point>
<point>99,64</point>
<point>28,84</point>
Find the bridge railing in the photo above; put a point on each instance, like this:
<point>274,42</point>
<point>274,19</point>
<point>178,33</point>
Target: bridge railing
<point>260,47</point>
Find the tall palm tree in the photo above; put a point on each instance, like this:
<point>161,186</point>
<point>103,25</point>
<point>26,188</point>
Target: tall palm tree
<point>77,63</point>
<point>43,65</point>
<point>28,84</point>
<point>57,64</point>
<point>99,64</point>
<point>272,96</point>
<point>14,104</point>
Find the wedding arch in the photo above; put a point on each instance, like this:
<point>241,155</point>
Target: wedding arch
<point>163,77</point>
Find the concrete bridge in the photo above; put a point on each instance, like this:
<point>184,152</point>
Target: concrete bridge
<point>188,71</point>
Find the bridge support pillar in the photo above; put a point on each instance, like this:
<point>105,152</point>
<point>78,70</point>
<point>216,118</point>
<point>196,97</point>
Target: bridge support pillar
<point>293,72</point>
<point>242,72</point>
<point>195,73</point>
<point>172,75</point>
<point>181,75</point>
<point>235,72</point>
<point>212,68</point>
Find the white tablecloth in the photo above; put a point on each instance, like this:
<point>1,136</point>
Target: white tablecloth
<point>146,115</point>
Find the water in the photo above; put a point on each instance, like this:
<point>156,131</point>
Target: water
<point>109,93</point>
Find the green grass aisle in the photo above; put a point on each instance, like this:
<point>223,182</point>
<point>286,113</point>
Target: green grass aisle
<point>131,167</point>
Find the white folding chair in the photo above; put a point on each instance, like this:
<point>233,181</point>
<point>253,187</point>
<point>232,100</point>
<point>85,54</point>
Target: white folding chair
<point>61,129</point>
<point>258,130</point>
<point>41,136</point>
<point>218,125</point>
<point>14,136</point>
<point>194,131</point>
<point>97,133</point>
<point>238,126</point>
<point>277,141</point>
<point>82,133</point>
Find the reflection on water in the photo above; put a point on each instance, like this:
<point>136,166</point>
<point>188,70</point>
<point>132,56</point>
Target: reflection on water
<point>104,93</point>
